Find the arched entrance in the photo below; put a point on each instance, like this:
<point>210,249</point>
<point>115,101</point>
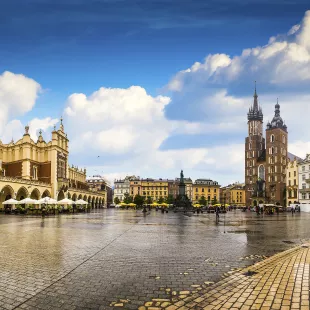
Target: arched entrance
<point>69,195</point>
<point>93,202</point>
<point>46,193</point>
<point>60,195</point>
<point>6,193</point>
<point>80,197</point>
<point>96,203</point>
<point>74,197</point>
<point>85,198</point>
<point>35,194</point>
<point>22,193</point>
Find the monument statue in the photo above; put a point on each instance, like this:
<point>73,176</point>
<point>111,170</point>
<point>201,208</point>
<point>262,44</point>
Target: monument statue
<point>181,177</point>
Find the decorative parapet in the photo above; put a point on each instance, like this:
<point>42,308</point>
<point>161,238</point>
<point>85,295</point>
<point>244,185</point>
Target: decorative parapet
<point>90,192</point>
<point>23,181</point>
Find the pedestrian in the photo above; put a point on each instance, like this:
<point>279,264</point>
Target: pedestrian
<point>292,209</point>
<point>217,212</point>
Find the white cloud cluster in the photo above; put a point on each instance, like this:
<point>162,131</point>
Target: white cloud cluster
<point>18,94</point>
<point>284,60</point>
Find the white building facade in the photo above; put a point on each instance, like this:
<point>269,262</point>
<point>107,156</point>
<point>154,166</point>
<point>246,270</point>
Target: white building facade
<point>304,180</point>
<point>122,187</point>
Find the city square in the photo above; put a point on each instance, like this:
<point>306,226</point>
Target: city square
<point>113,258</point>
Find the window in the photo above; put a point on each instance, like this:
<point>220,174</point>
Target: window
<point>303,177</point>
<point>203,190</point>
<point>303,185</point>
<point>196,190</point>
<point>283,139</point>
<point>303,196</point>
<point>289,182</point>
<point>250,146</point>
<point>215,190</point>
<point>272,138</point>
<point>35,173</point>
<point>196,197</point>
<point>289,174</point>
<point>208,190</point>
<point>295,182</point>
<point>303,168</point>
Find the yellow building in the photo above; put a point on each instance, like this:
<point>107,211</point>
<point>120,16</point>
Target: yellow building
<point>154,188</point>
<point>292,180</point>
<point>135,187</point>
<point>233,194</point>
<point>39,169</point>
<point>207,188</point>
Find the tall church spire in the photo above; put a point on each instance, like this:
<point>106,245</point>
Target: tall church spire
<point>255,106</point>
<point>255,113</point>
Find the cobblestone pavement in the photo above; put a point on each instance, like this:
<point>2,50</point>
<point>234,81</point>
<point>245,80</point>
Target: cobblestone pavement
<point>121,259</point>
<point>280,282</point>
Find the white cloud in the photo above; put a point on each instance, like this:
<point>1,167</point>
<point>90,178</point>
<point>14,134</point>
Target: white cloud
<point>12,130</point>
<point>18,95</point>
<point>45,124</point>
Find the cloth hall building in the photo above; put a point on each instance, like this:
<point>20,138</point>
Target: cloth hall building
<point>265,157</point>
<point>37,169</point>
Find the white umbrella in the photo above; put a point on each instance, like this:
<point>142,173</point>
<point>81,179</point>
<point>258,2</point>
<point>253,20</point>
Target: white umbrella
<point>81,202</point>
<point>65,201</point>
<point>11,202</point>
<point>48,201</point>
<point>28,201</point>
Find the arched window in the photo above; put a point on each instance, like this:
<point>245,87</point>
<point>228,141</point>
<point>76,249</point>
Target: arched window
<point>261,172</point>
<point>250,146</point>
<point>283,139</point>
<point>272,138</point>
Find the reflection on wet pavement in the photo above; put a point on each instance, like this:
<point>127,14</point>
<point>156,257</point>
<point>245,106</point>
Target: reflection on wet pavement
<point>93,261</point>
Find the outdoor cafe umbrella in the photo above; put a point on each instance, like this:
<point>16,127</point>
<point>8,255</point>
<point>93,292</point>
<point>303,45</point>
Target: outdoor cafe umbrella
<point>29,201</point>
<point>48,201</point>
<point>80,202</point>
<point>11,202</point>
<point>65,201</point>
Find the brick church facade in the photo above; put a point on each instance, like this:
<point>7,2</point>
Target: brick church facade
<point>265,158</point>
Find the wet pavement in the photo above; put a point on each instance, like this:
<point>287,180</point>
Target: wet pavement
<point>122,259</point>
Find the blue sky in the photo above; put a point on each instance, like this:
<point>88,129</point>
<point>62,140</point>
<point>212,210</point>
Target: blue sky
<point>80,46</point>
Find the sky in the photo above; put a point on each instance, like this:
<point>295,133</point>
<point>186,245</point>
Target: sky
<point>151,87</point>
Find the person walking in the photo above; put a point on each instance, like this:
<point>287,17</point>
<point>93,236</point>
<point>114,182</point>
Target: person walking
<point>217,212</point>
<point>292,209</point>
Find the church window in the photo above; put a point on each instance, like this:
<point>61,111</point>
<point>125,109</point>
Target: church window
<point>303,177</point>
<point>261,146</point>
<point>283,139</point>
<point>253,153</point>
<point>275,178</point>
<point>253,171</point>
<point>250,146</point>
<point>261,172</point>
<point>272,138</point>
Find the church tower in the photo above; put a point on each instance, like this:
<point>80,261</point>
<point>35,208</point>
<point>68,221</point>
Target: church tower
<point>276,158</point>
<point>254,149</point>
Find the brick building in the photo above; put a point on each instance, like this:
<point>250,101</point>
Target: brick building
<point>265,159</point>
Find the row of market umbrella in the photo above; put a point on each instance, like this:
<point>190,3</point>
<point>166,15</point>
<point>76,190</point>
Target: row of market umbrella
<point>45,200</point>
<point>133,204</point>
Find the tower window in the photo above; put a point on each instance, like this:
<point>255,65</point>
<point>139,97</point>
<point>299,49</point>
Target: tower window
<point>272,138</point>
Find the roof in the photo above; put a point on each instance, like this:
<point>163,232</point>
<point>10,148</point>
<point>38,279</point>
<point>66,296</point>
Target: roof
<point>291,157</point>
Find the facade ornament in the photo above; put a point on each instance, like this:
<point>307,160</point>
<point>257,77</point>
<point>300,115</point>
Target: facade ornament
<point>27,130</point>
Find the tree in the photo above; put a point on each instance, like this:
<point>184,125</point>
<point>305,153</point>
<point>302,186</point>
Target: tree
<point>170,199</point>
<point>127,198</point>
<point>139,200</point>
<point>116,200</point>
<point>149,200</point>
<point>161,200</point>
<point>203,201</point>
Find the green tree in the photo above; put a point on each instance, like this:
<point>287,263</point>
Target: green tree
<point>116,200</point>
<point>203,201</point>
<point>149,200</point>
<point>139,200</point>
<point>161,200</point>
<point>128,198</point>
<point>170,199</point>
